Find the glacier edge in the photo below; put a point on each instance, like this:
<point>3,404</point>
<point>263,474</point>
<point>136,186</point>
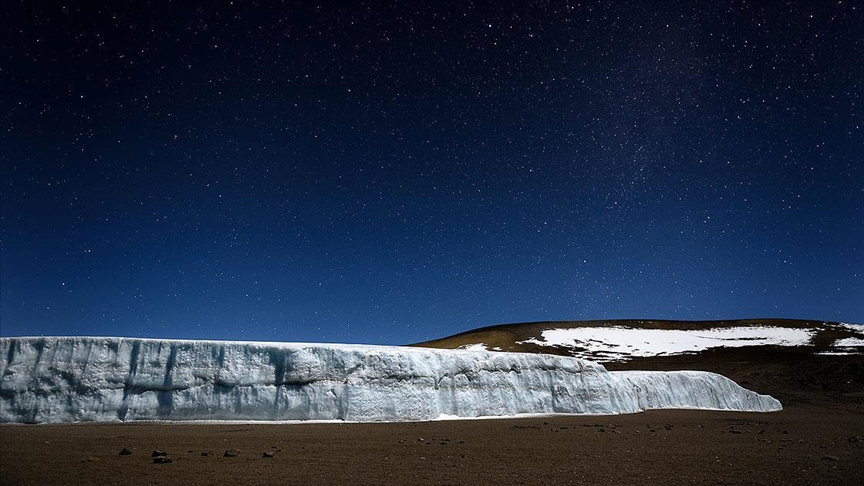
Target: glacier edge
<point>75,379</point>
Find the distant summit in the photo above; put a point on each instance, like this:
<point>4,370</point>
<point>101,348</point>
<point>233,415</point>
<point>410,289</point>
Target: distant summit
<point>797,361</point>
<point>623,340</point>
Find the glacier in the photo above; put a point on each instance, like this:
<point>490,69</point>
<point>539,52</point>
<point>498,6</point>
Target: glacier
<point>100,379</point>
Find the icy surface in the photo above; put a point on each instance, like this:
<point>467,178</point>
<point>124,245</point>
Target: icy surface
<point>109,379</point>
<point>621,343</point>
<point>474,347</point>
<point>849,342</point>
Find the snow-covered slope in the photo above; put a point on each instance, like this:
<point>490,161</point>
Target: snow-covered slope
<point>624,343</point>
<point>106,379</point>
<point>624,340</point>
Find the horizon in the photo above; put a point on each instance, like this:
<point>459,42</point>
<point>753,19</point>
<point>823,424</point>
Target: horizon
<point>406,344</point>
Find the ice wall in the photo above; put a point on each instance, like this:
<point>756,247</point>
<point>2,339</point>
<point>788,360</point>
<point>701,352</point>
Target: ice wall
<point>69,379</point>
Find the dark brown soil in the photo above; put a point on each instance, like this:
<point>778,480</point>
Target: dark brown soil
<point>800,445</point>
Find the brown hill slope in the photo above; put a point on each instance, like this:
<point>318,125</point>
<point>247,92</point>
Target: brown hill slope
<point>813,372</point>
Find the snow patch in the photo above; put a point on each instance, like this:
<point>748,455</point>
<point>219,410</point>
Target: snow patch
<point>474,347</point>
<point>69,379</point>
<point>622,343</point>
<point>858,328</point>
<point>848,342</point>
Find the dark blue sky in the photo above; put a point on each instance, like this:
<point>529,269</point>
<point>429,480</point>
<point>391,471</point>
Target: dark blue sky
<point>388,172</point>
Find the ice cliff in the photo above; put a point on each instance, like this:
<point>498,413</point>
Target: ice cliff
<point>70,379</point>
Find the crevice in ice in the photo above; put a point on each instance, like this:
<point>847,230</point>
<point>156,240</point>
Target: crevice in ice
<point>165,398</point>
<point>10,355</point>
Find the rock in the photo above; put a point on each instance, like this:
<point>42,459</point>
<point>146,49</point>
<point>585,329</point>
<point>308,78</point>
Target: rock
<point>830,458</point>
<point>267,454</point>
<point>158,453</point>
<point>162,460</point>
<point>125,452</point>
<point>231,453</point>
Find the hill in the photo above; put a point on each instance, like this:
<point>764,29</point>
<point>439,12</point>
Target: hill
<point>800,362</point>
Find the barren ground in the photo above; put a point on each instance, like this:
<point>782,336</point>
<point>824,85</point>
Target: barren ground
<point>796,446</point>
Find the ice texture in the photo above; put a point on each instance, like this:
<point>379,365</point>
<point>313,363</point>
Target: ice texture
<point>72,379</point>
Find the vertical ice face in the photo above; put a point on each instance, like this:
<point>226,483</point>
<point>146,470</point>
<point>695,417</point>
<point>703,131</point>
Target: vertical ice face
<point>108,379</point>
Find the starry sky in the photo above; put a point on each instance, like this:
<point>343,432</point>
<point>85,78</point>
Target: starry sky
<point>390,172</point>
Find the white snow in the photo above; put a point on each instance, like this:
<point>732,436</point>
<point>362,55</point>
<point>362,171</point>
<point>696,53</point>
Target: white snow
<point>474,347</point>
<point>848,342</point>
<point>621,343</point>
<point>859,328</point>
<point>70,379</point>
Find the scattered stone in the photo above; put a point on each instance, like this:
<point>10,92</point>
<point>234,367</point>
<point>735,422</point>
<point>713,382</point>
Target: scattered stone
<point>205,453</point>
<point>830,458</point>
<point>158,453</point>
<point>231,453</point>
<point>90,459</point>
<point>125,452</point>
<point>735,431</point>
<point>267,454</point>
<point>162,460</point>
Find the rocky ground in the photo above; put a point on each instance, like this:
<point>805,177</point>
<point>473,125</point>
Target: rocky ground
<point>800,445</point>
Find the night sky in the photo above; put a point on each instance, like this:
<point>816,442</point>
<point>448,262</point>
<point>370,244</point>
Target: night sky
<point>388,172</point>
